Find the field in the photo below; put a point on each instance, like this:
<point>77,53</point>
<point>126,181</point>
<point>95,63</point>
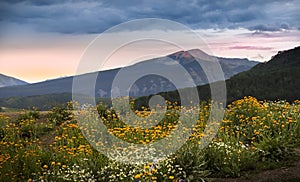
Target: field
<point>253,136</point>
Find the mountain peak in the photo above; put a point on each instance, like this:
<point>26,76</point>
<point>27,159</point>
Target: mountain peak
<point>189,54</point>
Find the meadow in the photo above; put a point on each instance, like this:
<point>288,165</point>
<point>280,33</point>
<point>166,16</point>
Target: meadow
<point>253,136</point>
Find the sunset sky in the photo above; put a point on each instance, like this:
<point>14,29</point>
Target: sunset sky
<point>42,39</point>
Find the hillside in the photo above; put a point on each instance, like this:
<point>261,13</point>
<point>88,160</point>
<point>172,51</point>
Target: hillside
<point>6,81</point>
<point>273,80</point>
<point>277,79</point>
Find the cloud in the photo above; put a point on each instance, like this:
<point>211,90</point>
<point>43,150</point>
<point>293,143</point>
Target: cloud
<point>269,28</point>
<point>251,48</point>
<point>74,16</point>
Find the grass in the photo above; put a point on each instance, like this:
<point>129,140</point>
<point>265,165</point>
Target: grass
<point>254,135</point>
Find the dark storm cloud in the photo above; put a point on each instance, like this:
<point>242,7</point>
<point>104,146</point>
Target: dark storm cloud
<point>74,16</point>
<point>270,28</point>
<point>262,27</point>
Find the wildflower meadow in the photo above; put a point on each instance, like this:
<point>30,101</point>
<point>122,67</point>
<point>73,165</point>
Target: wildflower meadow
<point>253,135</point>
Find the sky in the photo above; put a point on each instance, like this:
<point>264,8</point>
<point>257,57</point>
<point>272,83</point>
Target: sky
<point>41,39</point>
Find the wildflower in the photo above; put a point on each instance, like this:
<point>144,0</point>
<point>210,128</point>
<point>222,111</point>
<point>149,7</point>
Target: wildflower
<point>138,176</point>
<point>154,178</point>
<point>153,170</point>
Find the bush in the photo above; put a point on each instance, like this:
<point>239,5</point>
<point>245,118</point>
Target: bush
<point>276,148</point>
<point>60,114</point>
<point>31,115</point>
<point>192,159</point>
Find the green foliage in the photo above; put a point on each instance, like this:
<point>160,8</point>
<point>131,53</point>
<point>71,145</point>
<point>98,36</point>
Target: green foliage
<point>40,102</point>
<point>193,162</point>
<point>60,114</point>
<point>254,135</point>
<point>275,148</point>
<point>3,123</point>
<point>229,158</point>
<point>274,80</point>
<point>28,115</point>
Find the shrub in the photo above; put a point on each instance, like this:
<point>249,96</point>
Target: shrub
<point>275,148</point>
<point>61,113</point>
<point>192,159</point>
<point>31,115</point>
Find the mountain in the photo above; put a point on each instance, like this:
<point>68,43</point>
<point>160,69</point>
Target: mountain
<point>6,81</point>
<point>230,66</point>
<point>146,85</point>
<point>277,79</point>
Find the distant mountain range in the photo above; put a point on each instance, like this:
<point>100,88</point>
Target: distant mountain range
<point>147,85</point>
<point>6,81</point>
<point>277,79</point>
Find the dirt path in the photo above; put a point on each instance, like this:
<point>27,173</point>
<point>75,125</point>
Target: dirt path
<point>284,174</point>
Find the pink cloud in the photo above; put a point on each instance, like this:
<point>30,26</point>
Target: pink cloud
<point>251,48</point>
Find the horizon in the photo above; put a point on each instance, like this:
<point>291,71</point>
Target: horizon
<point>139,61</point>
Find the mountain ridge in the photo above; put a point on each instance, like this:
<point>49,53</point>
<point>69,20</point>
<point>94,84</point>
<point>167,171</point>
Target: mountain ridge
<point>272,80</point>
<point>156,84</point>
<point>7,81</point>
<point>277,79</point>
